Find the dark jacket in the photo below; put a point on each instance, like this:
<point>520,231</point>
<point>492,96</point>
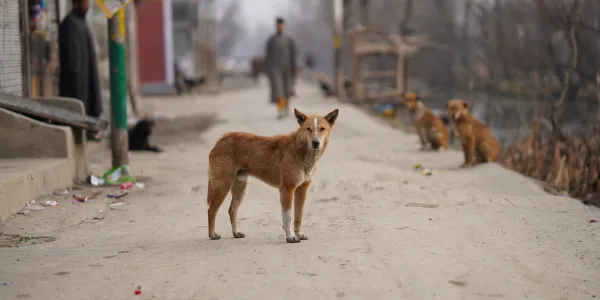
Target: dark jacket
<point>78,65</point>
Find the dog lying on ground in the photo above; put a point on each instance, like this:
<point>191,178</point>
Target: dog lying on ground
<point>139,136</point>
<point>478,143</point>
<point>287,162</point>
<point>430,127</point>
<point>186,85</point>
<point>327,86</point>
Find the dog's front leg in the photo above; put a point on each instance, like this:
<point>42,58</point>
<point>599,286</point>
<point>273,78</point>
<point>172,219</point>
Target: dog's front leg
<point>299,198</point>
<point>286,196</point>
<point>422,136</point>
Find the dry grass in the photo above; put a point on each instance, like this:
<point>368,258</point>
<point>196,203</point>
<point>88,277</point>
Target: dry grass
<point>564,163</point>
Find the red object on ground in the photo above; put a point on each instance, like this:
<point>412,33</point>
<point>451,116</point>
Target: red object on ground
<point>138,291</point>
<point>126,185</point>
<point>594,221</point>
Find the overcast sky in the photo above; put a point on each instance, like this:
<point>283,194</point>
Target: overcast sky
<point>264,11</point>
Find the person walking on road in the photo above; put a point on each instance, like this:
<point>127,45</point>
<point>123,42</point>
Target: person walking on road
<point>78,65</point>
<point>280,68</point>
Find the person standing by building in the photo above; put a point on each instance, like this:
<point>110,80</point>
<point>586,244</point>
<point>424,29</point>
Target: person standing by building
<point>280,68</point>
<point>39,48</point>
<point>78,64</point>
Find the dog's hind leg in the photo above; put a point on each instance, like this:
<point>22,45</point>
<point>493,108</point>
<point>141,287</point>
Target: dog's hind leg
<point>218,188</point>
<point>238,191</point>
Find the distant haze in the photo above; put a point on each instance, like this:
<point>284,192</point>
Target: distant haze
<point>258,19</point>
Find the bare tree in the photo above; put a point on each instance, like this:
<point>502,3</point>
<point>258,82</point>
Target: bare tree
<point>230,30</point>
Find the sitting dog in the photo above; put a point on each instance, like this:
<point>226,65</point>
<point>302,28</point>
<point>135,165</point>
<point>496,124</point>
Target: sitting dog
<point>430,127</point>
<point>139,136</point>
<point>478,143</point>
<point>287,162</point>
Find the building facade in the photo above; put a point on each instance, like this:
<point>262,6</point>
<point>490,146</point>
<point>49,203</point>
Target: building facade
<point>155,46</point>
<point>174,32</point>
<point>28,47</point>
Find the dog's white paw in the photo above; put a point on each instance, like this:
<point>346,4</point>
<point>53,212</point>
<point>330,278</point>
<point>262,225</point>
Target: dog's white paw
<point>214,236</point>
<point>293,239</point>
<point>303,236</point>
<point>239,235</point>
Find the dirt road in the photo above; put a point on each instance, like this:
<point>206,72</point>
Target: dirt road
<point>377,229</point>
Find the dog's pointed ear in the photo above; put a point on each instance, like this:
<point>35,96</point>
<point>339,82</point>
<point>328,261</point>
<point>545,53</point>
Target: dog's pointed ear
<point>332,116</point>
<point>300,117</point>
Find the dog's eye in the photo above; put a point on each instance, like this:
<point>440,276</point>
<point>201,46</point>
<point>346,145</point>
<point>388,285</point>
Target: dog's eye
<point>322,129</point>
<point>308,128</point>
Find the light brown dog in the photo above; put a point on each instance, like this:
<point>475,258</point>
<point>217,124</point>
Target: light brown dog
<point>479,145</point>
<point>430,127</point>
<point>287,162</point>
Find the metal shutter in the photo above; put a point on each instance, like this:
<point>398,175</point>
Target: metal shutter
<point>11,76</point>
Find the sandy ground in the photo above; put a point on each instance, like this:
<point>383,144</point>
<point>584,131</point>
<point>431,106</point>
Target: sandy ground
<point>377,229</point>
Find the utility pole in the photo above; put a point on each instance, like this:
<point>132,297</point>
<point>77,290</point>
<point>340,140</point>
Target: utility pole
<point>338,35</point>
<point>132,60</point>
<point>466,45</point>
<point>118,89</point>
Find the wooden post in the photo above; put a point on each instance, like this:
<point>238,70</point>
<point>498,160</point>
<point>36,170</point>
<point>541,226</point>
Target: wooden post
<point>364,13</point>
<point>132,61</point>
<point>356,66</point>
<point>25,47</point>
<point>401,72</point>
<point>118,89</point>
<point>338,35</point>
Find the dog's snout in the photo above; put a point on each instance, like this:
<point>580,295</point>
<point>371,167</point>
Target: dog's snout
<point>316,144</point>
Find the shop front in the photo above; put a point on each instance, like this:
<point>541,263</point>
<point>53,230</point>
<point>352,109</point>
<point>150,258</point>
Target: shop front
<point>11,70</point>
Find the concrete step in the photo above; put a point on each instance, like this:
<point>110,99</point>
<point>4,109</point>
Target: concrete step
<point>24,179</point>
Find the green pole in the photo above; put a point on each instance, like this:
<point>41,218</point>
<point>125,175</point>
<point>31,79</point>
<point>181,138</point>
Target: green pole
<point>118,89</point>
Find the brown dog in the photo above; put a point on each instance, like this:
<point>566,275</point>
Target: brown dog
<point>430,127</point>
<point>287,162</point>
<point>476,138</point>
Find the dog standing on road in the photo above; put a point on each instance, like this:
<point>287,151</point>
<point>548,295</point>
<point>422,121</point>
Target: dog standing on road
<point>287,162</point>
